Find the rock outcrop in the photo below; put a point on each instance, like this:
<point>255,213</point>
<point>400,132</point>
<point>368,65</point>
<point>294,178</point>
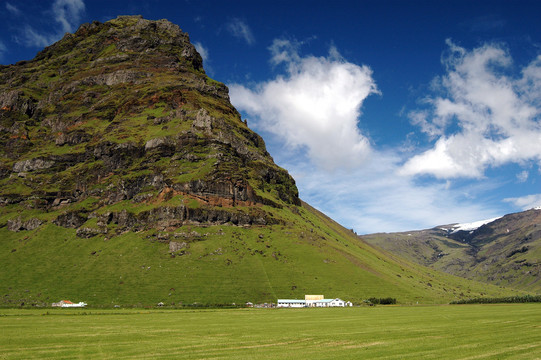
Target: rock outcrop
<point>122,115</point>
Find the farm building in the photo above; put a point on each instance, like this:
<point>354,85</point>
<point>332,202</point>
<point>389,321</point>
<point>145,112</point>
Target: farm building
<point>313,301</point>
<point>329,303</point>
<point>291,303</point>
<point>67,303</point>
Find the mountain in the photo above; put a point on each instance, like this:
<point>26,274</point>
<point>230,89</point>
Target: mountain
<point>505,251</point>
<point>127,177</point>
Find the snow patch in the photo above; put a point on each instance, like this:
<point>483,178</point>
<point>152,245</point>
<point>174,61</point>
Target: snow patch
<point>468,226</point>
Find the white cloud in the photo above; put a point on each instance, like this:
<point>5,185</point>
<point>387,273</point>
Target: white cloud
<point>241,30</point>
<point>285,51</point>
<point>203,51</point>
<point>313,107</point>
<point>12,9</point>
<point>523,176</point>
<point>312,110</point>
<point>66,13</point>
<point>526,202</point>
<point>485,118</point>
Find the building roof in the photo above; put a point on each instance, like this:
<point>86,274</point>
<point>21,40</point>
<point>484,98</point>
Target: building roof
<point>292,301</point>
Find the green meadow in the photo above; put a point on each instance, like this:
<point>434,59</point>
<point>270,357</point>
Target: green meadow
<point>510,331</point>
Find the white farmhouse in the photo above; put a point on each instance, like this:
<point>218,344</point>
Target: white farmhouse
<point>313,301</point>
<point>330,303</point>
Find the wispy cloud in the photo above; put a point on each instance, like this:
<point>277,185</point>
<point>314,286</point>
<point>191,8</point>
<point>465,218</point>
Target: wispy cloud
<point>241,30</point>
<point>3,49</point>
<point>526,202</point>
<point>66,13</point>
<point>203,51</point>
<point>485,117</point>
<point>12,9</point>
<point>314,106</point>
<point>523,176</point>
<point>32,37</point>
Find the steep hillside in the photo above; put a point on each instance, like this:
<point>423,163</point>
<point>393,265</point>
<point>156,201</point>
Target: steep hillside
<point>504,252</point>
<point>215,264</point>
<point>127,177</point>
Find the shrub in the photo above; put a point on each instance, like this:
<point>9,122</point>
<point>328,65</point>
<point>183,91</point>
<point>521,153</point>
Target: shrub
<point>508,299</point>
<point>382,301</point>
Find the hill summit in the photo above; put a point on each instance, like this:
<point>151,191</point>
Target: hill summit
<point>124,112</point>
<point>127,178</point>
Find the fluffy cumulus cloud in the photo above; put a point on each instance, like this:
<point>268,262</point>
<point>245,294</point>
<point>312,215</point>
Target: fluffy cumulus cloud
<point>484,117</point>
<point>241,30</point>
<point>310,114</point>
<point>67,16</point>
<point>314,106</point>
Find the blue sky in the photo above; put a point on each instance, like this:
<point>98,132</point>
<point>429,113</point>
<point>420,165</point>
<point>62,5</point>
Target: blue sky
<point>390,115</point>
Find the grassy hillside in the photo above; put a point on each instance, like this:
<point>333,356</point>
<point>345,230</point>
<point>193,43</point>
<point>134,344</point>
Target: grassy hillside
<point>306,254</point>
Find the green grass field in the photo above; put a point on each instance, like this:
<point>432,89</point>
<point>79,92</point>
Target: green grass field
<point>510,331</point>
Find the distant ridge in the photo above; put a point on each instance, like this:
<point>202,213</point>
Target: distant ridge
<point>504,251</point>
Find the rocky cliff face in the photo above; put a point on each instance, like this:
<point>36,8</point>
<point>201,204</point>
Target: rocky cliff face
<point>117,127</point>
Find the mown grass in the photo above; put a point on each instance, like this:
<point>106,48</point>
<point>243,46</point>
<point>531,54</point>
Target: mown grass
<point>414,332</point>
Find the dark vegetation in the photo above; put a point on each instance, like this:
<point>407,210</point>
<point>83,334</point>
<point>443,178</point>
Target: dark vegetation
<point>501,300</point>
<point>382,301</point>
